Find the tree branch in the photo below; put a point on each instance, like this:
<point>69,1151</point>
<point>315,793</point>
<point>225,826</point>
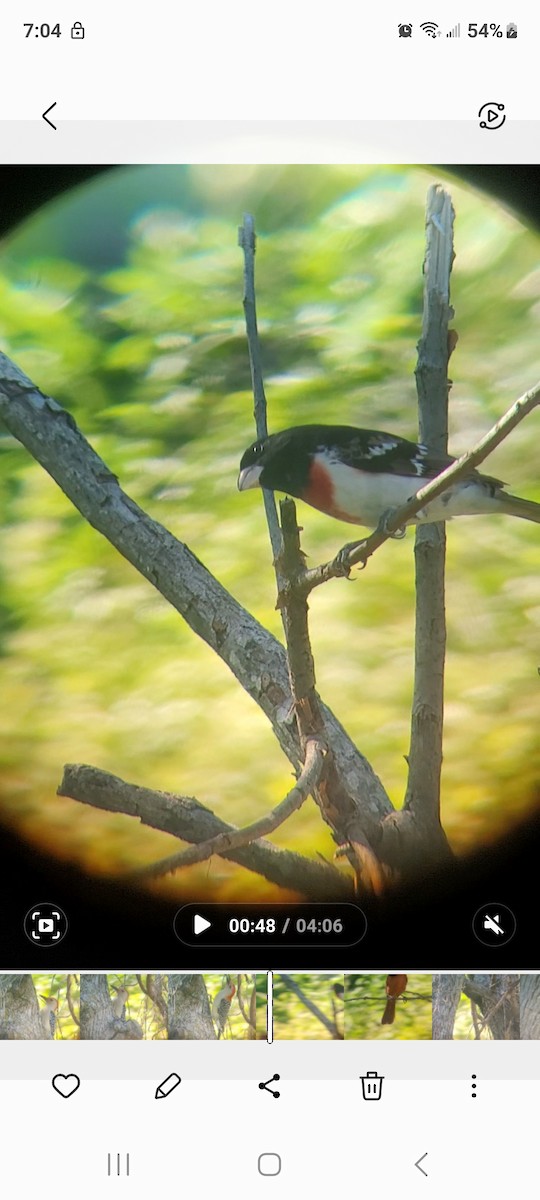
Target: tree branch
<point>233,840</point>
<point>248,242</point>
<point>422,799</point>
<point>185,818</point>
<point>334,803</point>
<point>254,656</point>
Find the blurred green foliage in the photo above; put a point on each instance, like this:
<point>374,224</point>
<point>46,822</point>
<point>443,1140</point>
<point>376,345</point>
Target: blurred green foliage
<point>294,1021</point>
<point>365,1001</point>
<point>123,300</point>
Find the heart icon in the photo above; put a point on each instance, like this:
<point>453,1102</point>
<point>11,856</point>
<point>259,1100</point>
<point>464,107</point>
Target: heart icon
<point>66,1085</point>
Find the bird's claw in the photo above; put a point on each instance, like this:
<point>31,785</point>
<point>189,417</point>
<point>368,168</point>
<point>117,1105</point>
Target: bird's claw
<point>342,556</point>
<point>384,522</point>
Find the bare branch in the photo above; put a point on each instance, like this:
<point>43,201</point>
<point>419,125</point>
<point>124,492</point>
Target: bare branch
<point>337,568</point>
<point>233,840</point>
<point>349,832</point>
<point>422,798</point>
<point>332,798</point>
<point>248,241</point>
<point>184,818</point>
<point>254,656</point>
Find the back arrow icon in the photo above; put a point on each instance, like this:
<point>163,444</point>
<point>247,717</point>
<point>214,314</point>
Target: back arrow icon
<point>45,117</point>
<point>417,1164</point>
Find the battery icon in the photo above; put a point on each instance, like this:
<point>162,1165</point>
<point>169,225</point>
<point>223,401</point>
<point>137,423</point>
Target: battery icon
<point>511,30</point>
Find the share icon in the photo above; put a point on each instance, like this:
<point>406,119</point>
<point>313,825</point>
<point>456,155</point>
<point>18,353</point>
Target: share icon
<point>264,1087</point>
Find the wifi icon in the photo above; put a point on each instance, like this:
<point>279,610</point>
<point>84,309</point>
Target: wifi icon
<point>431,28</point>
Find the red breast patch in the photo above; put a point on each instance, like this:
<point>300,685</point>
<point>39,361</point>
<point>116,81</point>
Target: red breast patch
<point>320,492</point>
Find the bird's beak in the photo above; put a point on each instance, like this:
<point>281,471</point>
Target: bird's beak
<point>249,478</point>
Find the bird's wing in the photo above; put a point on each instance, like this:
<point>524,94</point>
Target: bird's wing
<point>373,450</point>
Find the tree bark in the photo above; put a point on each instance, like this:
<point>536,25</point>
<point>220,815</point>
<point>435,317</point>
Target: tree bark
<point>189,1009</point>
<point>98,1022</point>
<point>497,999</point>
<point>19,1009</point>
<point>530,1007</point>
<point>446,993</point>
<point>422,800</point>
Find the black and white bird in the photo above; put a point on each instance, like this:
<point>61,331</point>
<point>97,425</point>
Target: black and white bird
<point>358,475</point>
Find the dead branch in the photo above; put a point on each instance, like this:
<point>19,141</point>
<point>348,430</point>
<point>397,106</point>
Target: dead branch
<point>185,818</point>
<point>422,799</point>
<point>253,655</point>
<point>233,840</point>
<point>337,808</point>
<point>248,242</point>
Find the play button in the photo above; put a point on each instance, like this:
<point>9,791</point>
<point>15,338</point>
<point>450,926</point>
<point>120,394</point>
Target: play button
<point>492,116</point>
<point>200,924</point>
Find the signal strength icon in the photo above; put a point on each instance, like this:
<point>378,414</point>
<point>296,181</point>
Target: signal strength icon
<point>454,32</point>
<point>431,28</point>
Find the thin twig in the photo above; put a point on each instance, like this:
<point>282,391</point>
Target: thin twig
<point>335,568</point>
<point>248,242</point>
<point>223,843</point>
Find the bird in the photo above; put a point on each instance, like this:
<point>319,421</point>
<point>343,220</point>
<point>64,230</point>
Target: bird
<point>395,986</point>
<point>360,475</point>
<point>221,1005</point>
<point>48,1015</point>
<point>119,1003</point>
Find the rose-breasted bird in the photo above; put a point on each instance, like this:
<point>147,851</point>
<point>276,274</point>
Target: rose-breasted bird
<point>395,986</point>
<point>358,475</point>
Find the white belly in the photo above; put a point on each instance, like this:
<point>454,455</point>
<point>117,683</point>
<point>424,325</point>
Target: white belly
<point>365,496</point>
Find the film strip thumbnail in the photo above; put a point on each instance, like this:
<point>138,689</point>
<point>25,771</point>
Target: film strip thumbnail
<point>303,1007</point>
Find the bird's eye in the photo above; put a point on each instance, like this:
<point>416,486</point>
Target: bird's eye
<point>258,448</point>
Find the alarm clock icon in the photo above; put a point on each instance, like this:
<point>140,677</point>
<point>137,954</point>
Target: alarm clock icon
<point>405,30</point>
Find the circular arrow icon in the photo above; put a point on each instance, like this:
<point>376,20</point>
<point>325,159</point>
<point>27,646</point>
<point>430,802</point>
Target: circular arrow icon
<point>492,116</point>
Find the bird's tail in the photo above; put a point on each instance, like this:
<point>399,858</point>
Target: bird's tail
<point>529,510</point>
<point>389,1012</point>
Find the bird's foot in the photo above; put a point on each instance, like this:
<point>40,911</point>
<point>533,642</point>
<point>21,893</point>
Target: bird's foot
<point>341,560</point>
<point>384,522</point>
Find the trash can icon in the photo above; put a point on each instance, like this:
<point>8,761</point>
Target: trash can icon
<point>372,1085</point>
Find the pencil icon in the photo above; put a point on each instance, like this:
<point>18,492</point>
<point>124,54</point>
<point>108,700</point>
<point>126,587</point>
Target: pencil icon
<point>167,1086</point>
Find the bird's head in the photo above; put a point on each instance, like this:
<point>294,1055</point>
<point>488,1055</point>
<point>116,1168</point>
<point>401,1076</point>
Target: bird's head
<point>281,461</point>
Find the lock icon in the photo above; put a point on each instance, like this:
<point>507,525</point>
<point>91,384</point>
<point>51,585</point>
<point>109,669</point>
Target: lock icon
<point>77,30</point>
